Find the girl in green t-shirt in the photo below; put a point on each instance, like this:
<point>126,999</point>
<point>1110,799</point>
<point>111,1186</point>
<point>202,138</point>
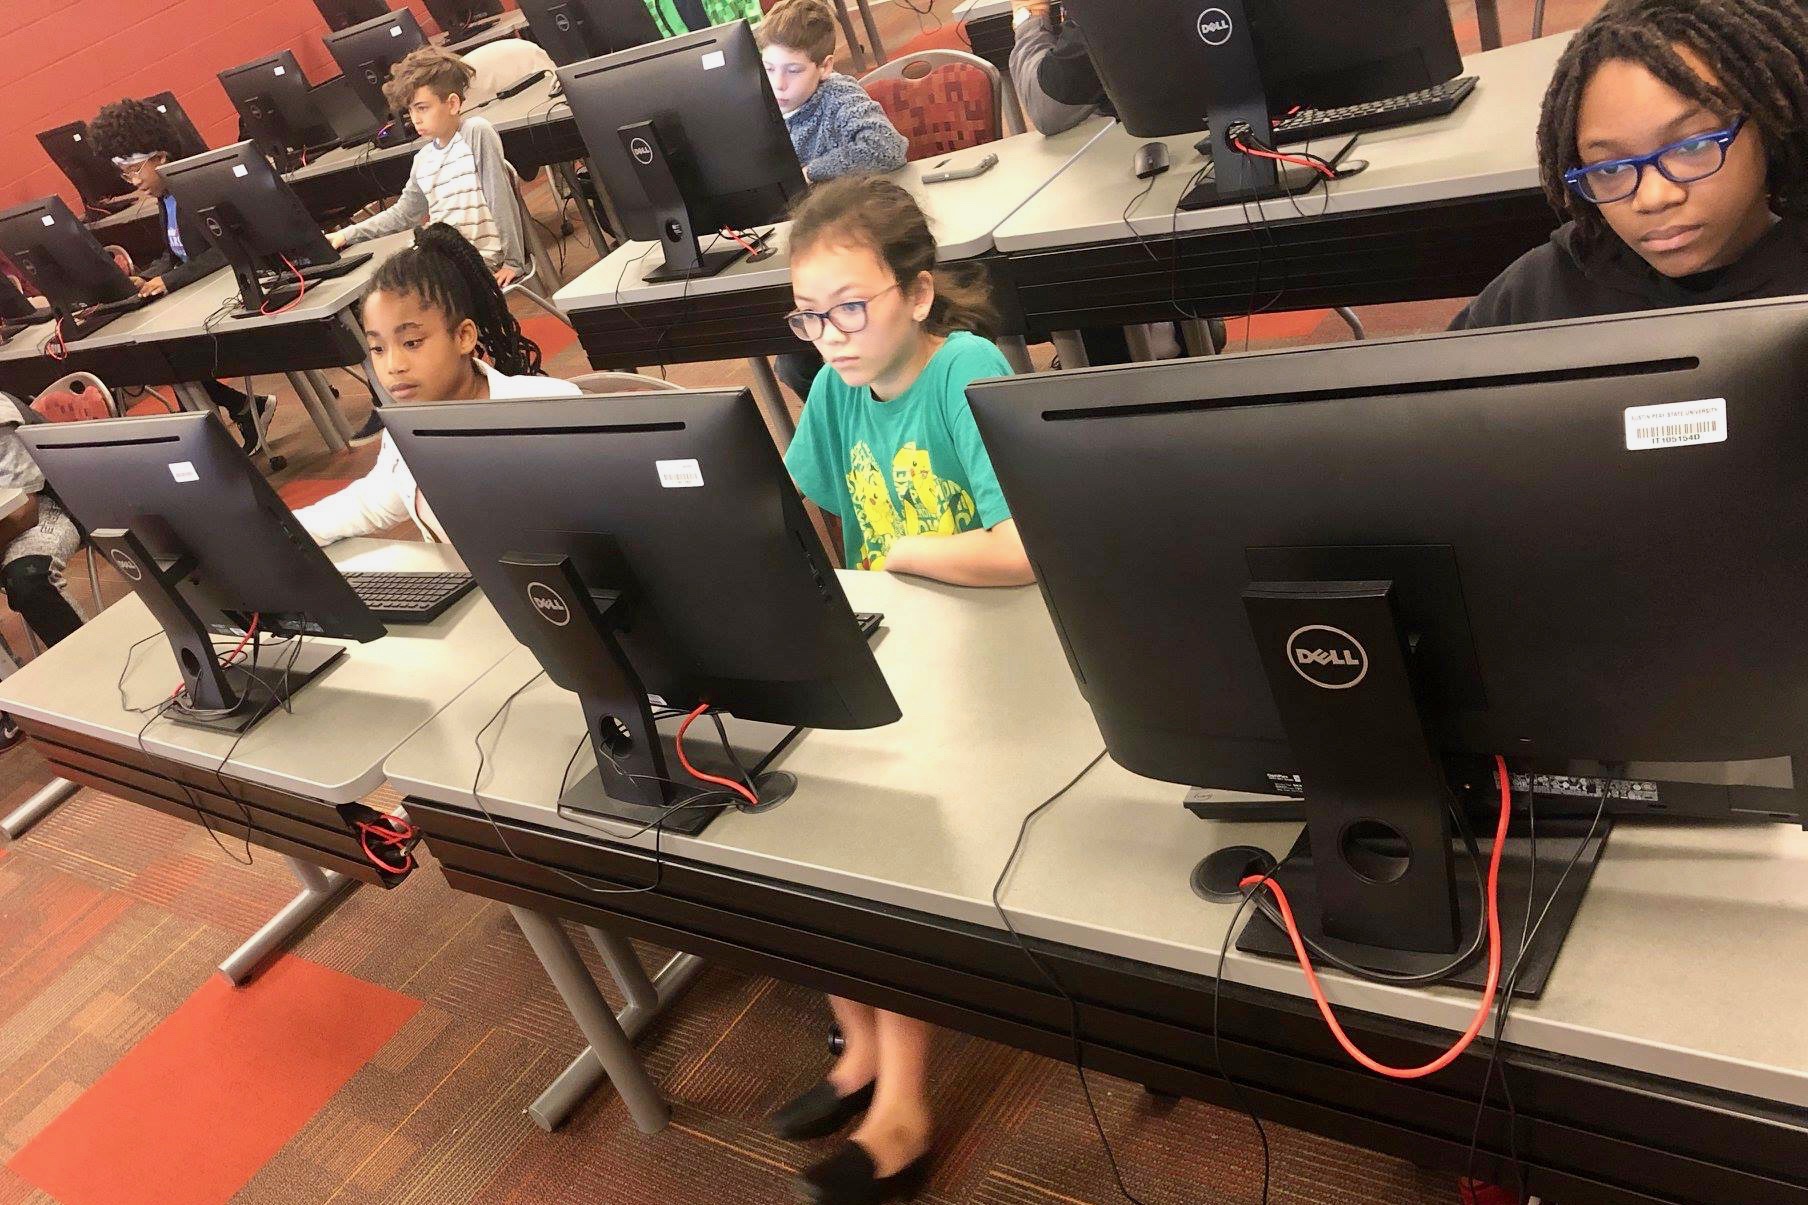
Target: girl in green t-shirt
<point>888,443</point>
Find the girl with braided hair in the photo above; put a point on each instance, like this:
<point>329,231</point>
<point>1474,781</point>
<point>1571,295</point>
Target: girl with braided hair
<point>1674,139</point>
<point>439,329</point>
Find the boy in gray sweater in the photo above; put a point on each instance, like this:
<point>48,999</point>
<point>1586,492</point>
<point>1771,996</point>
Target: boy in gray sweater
<point>837,128</point>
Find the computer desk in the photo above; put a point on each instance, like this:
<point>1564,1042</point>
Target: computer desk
<point>624,322</point>
<point>1666,1061</point>
<point>24,368</point>
<point>186,338</point>
<point>298,775</point>
<point>1442,208</point>
<point>138,228</point>
<point>509,25</point>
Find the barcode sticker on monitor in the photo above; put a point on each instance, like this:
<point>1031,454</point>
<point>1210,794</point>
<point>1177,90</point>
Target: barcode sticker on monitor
<point>395,31</point>
<point>49,219</point>
<point>163,108</point>
<point>1676,424</point>
<point>714,59</point>
<point>182,470</point>
<point>281,70</point>
<point>240,170</point>
<point>679,474</point>
<point>78,137</point>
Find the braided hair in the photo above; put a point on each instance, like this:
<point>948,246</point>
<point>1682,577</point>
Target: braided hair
<point>444,270</point>
<point>1757,49</point>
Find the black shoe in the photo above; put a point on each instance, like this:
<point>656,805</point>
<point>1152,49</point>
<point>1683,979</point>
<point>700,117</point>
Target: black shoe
<point>848,1177</point>
<point>372,429</point>
<point>249,431</point>
<point>10,733</point>
<point>819,1112</point>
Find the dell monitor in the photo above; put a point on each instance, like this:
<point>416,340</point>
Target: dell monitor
<point>188,139</point>
<point>573,30</point>
<point>368,51</point>
<point>207,545</point>
<point>343,14</point>
<point>688,140</point>
<point>274,245</point>
<point>63,259</point>
<point>459,19</point>
<point>1378,565</point>
<point>619,592</point>
<point>95,178</point>
<point>1178,66</point>
<point>276,109</point>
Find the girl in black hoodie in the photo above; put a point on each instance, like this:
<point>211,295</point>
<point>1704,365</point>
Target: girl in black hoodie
<point>1674,138</point>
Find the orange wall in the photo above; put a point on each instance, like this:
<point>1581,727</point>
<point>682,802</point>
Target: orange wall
<point>61,60</point>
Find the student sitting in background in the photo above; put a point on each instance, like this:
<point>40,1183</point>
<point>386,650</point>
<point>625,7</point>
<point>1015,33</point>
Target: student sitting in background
<point>433,315</point>
<point>140,140</point>
<point>888,443</point>
<point>460,176</point>
<point>673,17</point>
<point>1674,138</point>
<point>38,539</point>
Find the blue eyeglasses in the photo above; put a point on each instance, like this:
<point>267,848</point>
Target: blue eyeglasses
<point>1693,158</point>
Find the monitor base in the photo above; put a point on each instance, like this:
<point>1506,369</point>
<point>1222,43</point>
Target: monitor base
<point>709,263</point>
<point>1557,844</point>
<point>269,687</point>
<point>684,816</point>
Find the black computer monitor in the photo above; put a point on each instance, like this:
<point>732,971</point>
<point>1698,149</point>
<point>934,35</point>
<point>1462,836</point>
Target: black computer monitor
<point>688,139</point>
<point>343,14</point>
<point>1176,66</point>
<point>188,138</point>
<point>259,224</point>
<point>619,592</point>
<point>206,543</point>
<point>457,19</point>
<point>368,51</point>
<point>574,30</point>
<point>16,309</point>
<point>95,178</point>
<point>276,108</point>
<point>1364,570</point>
<point>65,261</point>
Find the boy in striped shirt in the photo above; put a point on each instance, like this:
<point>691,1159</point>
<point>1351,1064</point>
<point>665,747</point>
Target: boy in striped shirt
<point>460,176</point>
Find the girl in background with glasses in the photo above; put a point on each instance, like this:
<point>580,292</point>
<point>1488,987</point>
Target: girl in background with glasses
<point>887,442</point>
<point>1674,139</point>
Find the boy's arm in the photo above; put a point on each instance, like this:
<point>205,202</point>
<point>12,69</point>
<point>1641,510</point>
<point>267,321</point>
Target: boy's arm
<point>1033,64</point>
<point>405,214</point>
<point>865,141</point>
<point>497,180</point>
<point>993,557</point>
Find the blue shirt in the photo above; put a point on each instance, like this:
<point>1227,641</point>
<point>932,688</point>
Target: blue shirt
<point>172,229</point>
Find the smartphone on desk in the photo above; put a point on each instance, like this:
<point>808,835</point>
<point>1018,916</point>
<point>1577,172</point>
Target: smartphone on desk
<point>941,173</point>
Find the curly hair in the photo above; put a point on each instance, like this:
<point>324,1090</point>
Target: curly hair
<point>446,272</point>
<point>1757,49</point>
<point>131,127</point>
<point>866,211</point>
<point>428,67</point>
<point>805,26</point>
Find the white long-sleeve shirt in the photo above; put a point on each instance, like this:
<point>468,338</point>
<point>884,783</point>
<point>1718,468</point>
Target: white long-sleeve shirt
<point>387,494</point>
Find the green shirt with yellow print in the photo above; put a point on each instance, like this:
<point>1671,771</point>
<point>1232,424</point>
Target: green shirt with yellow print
<point>910,466</point>
<point>718,12</point>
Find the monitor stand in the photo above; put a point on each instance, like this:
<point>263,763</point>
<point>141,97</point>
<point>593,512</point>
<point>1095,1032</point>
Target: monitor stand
<point>225,228</point>
<point>579,644</point>
<point>659,171</point>
<point>231,697</point>
<point>1373,878</point>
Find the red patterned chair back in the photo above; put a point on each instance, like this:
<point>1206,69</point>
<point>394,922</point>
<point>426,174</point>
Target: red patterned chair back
<point>940,100</point>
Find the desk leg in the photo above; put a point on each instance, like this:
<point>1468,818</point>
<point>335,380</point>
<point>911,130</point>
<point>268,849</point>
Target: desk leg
<point>1017,351</point>
<point>193,397</point>
<point>310,401</point>
<point>771,397</point>
<point>320,890</point>
<point>861,62</point>
<point>872,31</point>
<point>323,389</point>
<point>37,807</point>
<point>609,1052</point>
<point>598,240</point>
<point>1487,20</point>
<point>1071,348</point>
<point>1196,334</point>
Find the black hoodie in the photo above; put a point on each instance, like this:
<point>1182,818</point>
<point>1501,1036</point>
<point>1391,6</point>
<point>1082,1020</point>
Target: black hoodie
<point>1556,281</point>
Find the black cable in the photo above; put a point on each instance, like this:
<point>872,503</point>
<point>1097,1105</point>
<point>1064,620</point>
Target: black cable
<point>1073,1006</point>
<point>1217,1045</point>
<point>728,749</point>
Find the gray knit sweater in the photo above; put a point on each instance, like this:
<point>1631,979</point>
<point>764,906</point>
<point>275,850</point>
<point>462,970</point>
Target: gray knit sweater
<point>841,130</point>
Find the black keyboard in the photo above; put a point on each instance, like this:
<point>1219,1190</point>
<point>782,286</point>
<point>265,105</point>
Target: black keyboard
<point>1375,114</point>
<point>410,597</point>
<point>112,309</point>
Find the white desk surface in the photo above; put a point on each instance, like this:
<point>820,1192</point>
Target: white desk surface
<point>136,212</point>
<point>922,815</point>
<point>28,343</point>
<point>184,314</point>
<point>962,214</point>
<point>1487,146</point>
<point>526,108</point>
<point>332,746</point>
<point>974,10</point>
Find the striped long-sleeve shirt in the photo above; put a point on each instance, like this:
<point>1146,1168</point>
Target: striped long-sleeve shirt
<point>466,184</point>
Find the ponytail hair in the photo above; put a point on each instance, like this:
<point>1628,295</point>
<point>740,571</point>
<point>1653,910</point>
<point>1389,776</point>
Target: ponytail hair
<point>445,271</point>
<point>866,211</point>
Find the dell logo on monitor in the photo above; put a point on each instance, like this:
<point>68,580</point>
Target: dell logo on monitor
<point>1214,27</point>
<point>1327,657</point>
<point>215,231</point>
<point>562,22</point>
<point>548,605</point>
<point>643,151</point>
<point>126,565</point>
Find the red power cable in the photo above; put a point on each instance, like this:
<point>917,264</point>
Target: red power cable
<point>1241,147</point>
<point>392,832</point>
<point>730,233</point>
<point>56,348</point>
<point>301,292</point>
<point>738,788</point>
<point>1481,1014</point>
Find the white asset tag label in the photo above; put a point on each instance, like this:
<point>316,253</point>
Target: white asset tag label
<point>1676,424</point>
<point>679,474</point>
